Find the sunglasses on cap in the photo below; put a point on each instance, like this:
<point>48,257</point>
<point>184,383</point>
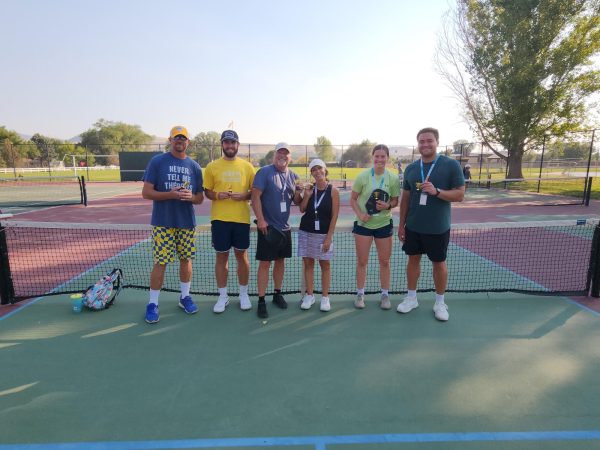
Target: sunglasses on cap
<point>180,137</point>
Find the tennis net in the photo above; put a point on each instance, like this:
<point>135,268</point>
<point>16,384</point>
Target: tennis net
<point>548,258</point>
<point>42,191</point>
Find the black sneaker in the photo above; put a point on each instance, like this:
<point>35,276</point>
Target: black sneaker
<point>262,310</point>
<point>279,301</point>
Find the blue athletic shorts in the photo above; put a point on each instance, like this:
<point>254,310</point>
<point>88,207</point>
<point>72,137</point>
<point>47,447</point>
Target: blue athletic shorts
<point>230,234</point>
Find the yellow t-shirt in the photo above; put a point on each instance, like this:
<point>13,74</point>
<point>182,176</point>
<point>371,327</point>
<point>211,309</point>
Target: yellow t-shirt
<point>223,175</point>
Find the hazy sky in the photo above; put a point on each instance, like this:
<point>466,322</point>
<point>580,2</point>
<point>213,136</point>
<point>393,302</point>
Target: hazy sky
<point>280,70</point>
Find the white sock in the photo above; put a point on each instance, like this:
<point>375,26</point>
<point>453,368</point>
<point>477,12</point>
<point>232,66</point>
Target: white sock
<point>360,291</point>
<point>223,292</point>
<point>384,292</point>
<point>154,296</point>
<point>185,288</point>
<point>412,294</point>
<point>243,289</point>
<point>324,299</point>
<point>439,298</point>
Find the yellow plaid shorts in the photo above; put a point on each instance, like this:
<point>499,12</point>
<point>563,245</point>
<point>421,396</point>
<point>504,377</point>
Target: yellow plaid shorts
<point>166,242</point>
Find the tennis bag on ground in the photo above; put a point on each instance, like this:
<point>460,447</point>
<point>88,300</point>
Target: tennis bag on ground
<point>102,294</point>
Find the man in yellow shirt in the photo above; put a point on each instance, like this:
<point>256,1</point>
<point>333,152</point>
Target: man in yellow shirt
<point>228,182</point>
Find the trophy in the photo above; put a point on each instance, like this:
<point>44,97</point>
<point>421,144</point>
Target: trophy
<point>418,185</point>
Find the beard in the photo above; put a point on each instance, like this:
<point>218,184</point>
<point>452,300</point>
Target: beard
<point>230,152</point>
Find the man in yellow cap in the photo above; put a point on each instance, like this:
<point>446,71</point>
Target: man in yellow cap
<point>173,181</point>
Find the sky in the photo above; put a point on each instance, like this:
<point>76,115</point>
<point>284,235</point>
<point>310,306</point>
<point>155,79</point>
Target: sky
<point>279,70</point>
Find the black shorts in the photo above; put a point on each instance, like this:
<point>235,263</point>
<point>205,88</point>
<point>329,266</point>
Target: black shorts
<point>230,234</point>
<point>378,233</point>
<point>434,245</point>
<point>267,251</point>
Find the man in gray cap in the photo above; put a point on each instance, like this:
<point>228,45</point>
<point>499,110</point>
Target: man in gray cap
<point>273,191</point>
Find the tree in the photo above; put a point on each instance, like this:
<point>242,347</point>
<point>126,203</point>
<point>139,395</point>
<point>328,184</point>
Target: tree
<point>462,147</point>
<point>359,153</point>
<point>11,152</point>
<point>576,150</point>
<point>45,149</point>
<point>521,68</point>
<point>324,149</point>
<point>108,138</point>
<point>268,159</point>
<point>205,147</point>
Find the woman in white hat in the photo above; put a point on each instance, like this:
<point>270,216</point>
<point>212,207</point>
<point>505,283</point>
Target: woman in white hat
<point>320,205</point>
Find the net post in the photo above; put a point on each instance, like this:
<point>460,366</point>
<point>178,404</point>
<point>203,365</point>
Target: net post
<point>7,291</point>
<point>593,278</point>
<point>588,191</point>
<point>84,198</point>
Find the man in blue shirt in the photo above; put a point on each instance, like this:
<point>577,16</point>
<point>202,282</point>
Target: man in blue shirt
<point>273,191</point>
<point>173,181</point>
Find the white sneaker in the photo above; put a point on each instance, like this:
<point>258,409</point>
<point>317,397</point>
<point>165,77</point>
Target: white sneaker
<point>440,311</point>
<point>307,301</point>
<point>325,306</point>
<point>359,303</point>
<point>221,305</point>
<point>407,305</point>
<point>245,304</point>
<point>385,302</point>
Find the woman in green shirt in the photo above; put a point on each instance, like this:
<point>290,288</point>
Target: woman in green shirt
<point>374,193</point>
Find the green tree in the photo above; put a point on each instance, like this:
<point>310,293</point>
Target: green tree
<point>11,152</point>
<point>462,147</point>
<point>359,153</point>
<point>576,150</point>
<point>267,159</point>
<point>205,147</point>
<point>45,149</point>
<point>109,138</point>
<point>324,149</point>
<point>521,68</point>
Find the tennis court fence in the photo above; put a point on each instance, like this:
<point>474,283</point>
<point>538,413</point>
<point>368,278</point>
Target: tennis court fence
<point>547,258</point>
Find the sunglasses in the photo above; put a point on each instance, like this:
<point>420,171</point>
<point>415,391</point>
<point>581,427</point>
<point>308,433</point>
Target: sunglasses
<point>180,137</point>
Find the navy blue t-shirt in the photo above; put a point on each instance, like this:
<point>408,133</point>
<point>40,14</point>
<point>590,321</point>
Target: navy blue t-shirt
<point>276,187</point>
<point>166,172</point>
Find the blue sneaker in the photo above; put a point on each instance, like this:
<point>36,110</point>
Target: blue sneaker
<point>188,305</point>
<point>152,313</point>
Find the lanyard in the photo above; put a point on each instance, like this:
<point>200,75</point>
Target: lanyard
<point>317,203</point>
<point>373,182</point>
<point>284,182</point>
<point>423,178</point>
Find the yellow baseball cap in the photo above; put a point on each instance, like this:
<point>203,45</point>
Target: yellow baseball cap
<point>179,130</point>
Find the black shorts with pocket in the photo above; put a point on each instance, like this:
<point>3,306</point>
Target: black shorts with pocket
<point>274,245</point>
<point>434,245</point>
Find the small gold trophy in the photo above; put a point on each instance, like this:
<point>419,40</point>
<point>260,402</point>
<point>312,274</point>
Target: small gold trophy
<point>418,185</point>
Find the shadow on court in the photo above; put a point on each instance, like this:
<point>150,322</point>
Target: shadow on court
<point>346,379</point>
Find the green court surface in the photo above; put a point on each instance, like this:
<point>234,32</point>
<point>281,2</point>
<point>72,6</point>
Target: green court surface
<point>506,372</point>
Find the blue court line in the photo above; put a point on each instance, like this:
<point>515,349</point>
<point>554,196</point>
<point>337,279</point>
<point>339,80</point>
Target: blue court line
<point>320,442</point>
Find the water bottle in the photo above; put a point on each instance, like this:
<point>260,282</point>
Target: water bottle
<point>77,305</point>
